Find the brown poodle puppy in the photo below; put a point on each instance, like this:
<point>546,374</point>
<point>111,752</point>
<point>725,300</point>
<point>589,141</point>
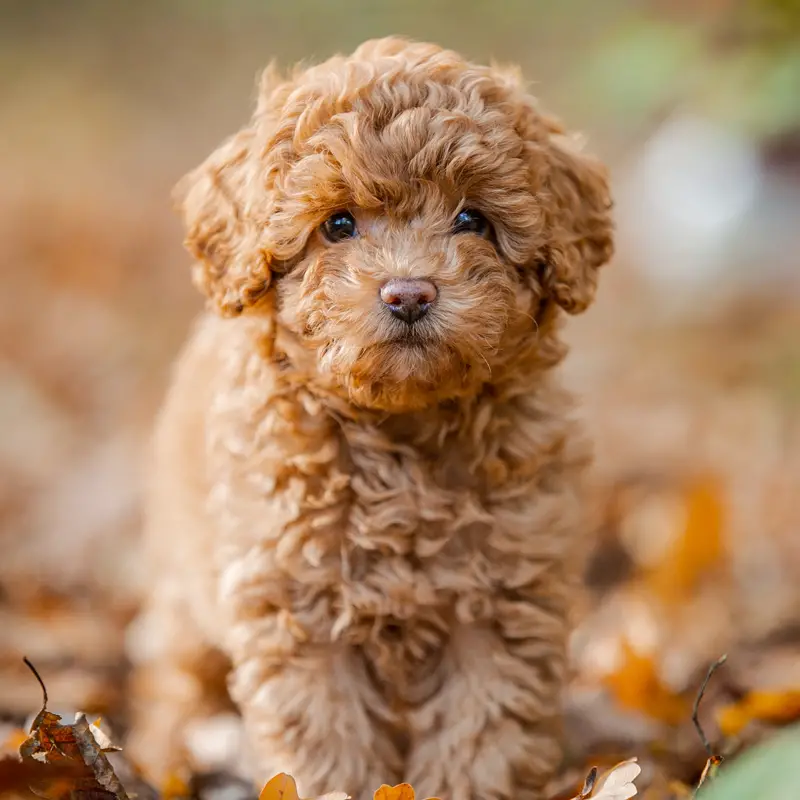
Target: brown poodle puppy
<point>365,494</point>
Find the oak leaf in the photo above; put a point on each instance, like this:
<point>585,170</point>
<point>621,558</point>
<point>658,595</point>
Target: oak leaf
<point>72,746</point>
<point>52,743</point>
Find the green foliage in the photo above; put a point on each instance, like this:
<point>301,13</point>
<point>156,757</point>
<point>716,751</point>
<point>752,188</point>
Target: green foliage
<point>639,66</point>
<point>767,772</point>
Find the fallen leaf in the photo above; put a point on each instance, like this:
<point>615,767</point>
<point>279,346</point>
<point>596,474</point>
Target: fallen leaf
<point>284,787</point>
<point>637,685</point>
<point>615,784</point>
<point>765,706</point>
<point>281,787</point>
<point>52,744</point>
<point>174,786</point>
<point>402,791</point>
<point>94,757</point>
<point>16,777</point>
<point>100,736</point>
<point>696,550</point>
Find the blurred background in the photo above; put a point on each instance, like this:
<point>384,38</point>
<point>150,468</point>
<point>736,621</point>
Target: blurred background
<point>688,365</point>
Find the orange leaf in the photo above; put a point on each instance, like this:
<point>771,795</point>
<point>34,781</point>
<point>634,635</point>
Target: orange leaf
<point>637,685</point>
<point>402,791</point>
<point>773,707</point>
<point>281,787</point>
<point>174,786</point>
<point>696,550</point>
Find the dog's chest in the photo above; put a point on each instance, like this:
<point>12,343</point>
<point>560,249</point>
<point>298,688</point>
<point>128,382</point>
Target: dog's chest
<point>413,562</point>
<point>414,540</point>
<point>355,533</point>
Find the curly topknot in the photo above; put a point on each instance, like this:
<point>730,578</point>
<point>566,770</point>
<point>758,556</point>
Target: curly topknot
<point>370,129</point>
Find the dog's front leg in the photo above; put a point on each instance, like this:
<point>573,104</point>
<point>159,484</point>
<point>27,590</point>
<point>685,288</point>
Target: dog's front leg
<point>493,729</point>
<point>313,713</point>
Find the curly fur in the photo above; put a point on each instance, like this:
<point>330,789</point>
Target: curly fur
<point>376,531</point>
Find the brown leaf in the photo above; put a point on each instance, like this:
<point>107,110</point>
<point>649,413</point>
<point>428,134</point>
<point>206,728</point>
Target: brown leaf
<point>94,758</point>
<point>16,777</point>
<point>52,744</point>
<point>100,736</point>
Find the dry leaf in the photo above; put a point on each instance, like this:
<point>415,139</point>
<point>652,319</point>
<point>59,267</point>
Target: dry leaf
<point>615,784</point>
<point>52,744</point>
<point>281,787</point>
<point>94,757</point>
<point>100,736</point>
<point>772,707</point>
<point>696,550</point>
<point>284,787</point>
<point>637,685</point>
<point>402,791</point>
<point>175,786</point>
<point>16,778</point>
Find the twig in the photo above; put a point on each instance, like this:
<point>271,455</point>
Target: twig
<point>711,670</point>
<point>714,760</point>
<point>38,678</point>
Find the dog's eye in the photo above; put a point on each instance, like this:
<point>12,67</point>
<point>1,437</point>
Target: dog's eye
<point>471,221</point>
<point>339,226</point>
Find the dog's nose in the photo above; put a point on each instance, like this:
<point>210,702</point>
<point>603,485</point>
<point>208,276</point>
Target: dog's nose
<point>408,299</point>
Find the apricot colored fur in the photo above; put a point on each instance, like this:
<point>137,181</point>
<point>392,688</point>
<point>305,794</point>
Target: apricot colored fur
<point>372,536</point>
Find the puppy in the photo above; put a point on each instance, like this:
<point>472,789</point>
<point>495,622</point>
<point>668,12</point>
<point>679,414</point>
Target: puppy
<point>365,492</point>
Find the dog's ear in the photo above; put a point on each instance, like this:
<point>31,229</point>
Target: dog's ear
<point>579,227</point>
<point>572,190</point>
<point>220,207</point>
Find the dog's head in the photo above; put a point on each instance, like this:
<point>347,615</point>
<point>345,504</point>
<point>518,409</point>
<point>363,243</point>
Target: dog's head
<point>410,216</point>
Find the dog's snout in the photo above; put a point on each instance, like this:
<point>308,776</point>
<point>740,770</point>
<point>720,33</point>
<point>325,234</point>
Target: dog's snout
<point>408,299</point>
